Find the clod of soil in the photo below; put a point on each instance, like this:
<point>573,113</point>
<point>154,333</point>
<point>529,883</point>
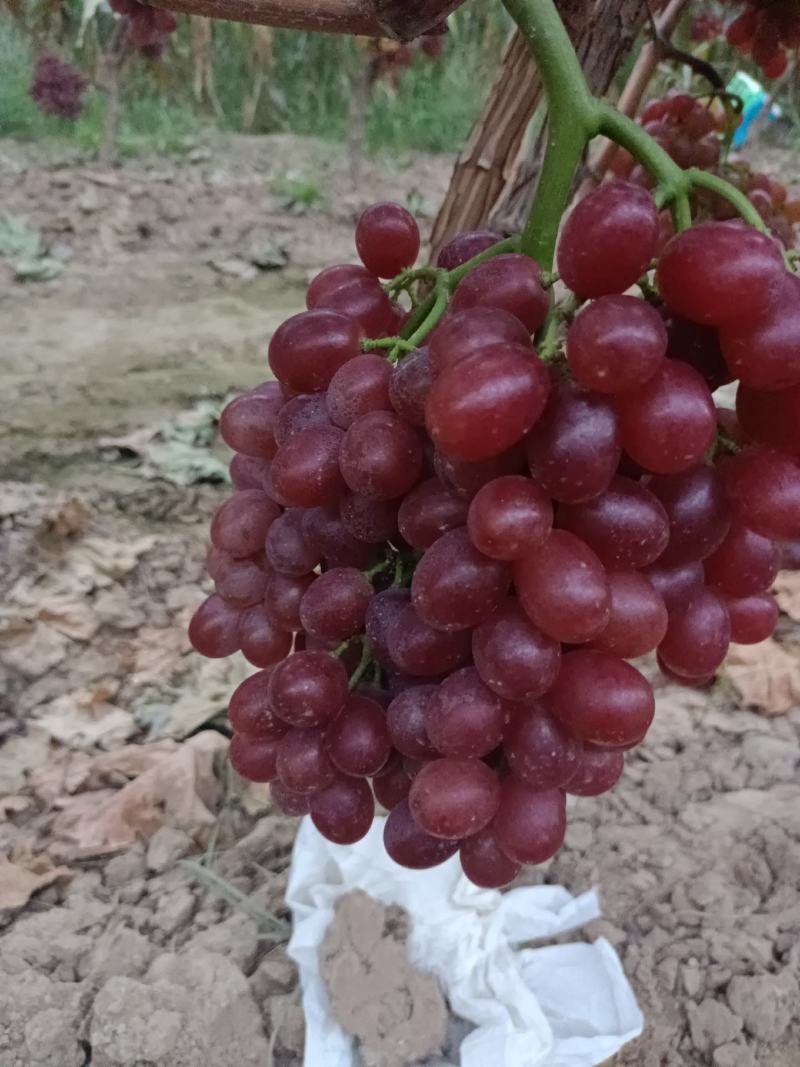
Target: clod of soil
<point>396,1012</point>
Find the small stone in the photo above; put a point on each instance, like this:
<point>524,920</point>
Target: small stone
<point>235,937</point>
<point>765,1002</point>
<point>275,974</point>
<point>174,911</point>
<point>133,891</point>
<point>119,953</point>
<point>734,1055</point>
<point>124,869</point>
<point>167,846</point>
<point>712,1023</point>
<point>52,1040</point>
<point>692,979</point>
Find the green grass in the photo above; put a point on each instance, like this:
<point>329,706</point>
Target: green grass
<point>305,92</point>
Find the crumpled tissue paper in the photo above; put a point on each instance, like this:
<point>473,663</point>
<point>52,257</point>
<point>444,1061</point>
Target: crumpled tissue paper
<point>555,1006</point>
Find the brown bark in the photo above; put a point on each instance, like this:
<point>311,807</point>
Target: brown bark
<point>404,19</point>
<point>495,174</point>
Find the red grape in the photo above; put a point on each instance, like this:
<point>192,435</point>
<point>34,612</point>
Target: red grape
<point>288,802</point>
<point>563,588</point>
<point>466,333</point>
<point>428,511</point>
<point>358,738</point>
<point>334,606</point>
<point>308,689</point>
<point>676,583</point>
<point>301,413</point>
<point>484,863</point>
<point>608,240</point>
<point>408,844</point>
<point>763,486</point>
<point>387,239</point>
<point>466,478</point>
<point>697,511</point>
<point>381,613</point>
<point>288,549</point>
<point>215,628</point>
<point>369,520</point>
<point>454,797</point>
<point>263,642</point>
<point>764,351</point>
<point>509,282</point>
<point>745,563</point>
<point>306,350</point>
<point>697,637</point>
<point>248,472</point>
<point>343,811</point>
<point>638,619</point>
<point>772,418</point>
<point>616,343</point>
<point>254,758</point>
<point>247,423</point>
<point>420,650</point>
<point>381,456</point>
<point>540,752</point>
<point>407,718</point>
<point>303,763</point>
<point>359,386</point>
<point>602,699</point>
<point>515,659</point>
<point>753,618</point>
<point>325,530</point>
<point>392,787</point>
<point>465,246</point>
<point>509,517</point>
<point>409,384</point>
<point>598,771</point>
<point>240,582</point>
<point>249,711</point>
<point>464,717</point>
<point>305,471</point>
<point>530,824</point>
<point>487,402</point>
<point>283,596</point>
<point>454,586</point>
<point>241,523</point>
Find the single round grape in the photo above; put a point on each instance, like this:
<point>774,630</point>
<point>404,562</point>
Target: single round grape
<point>698,513</point>
<point>360,297</point>
<point>771,418</point>
<point>464,246</point>
<point>697,637</point>
<point>254,758</point>
<point>249,712</point>
<point>466,478</point>
<point>428,511</point>
<point>419,649</point>
<point>486,402</point>
<point>762,352</point>
<point>763,487</point>
<point>387,239</point>
<point>305,470</point>
<point>240,524</point>
<point>514,658</point>
<point>335,605</point>
<point>608,240</point>
<point>407,717</point>
<point>574,449</point>
<point>669,423</point>
<point>598,771</point>
<point>676,583</point>
<point>745,563</point>
<point>359,386</point>
<point>392,787</point>
<point>465,718</point>
<point>282,599</point>
<point>330,537</point>
<point>465,333</point>
<point>343,811</point>
<point>601,699</point>
<point>215,628</point>
<point>217,562</point>
<point>368,520</point>
<point>699,347</point>
<point>484,863</point>
<point>616,343</point>
<point>301,413</point>
<point>539,751</point>
<point>563,588</point>
<point>333,278</point>
<point>247,423</point>
<point>638,619</point>
<point>530,824</point>
<point>454,586</point>
<point>626,526</point>
<point>509,517</point>
<point>718,271</point>
<point>409,384</point>
<point>408,844</point>
<point>248,472</point>
<point>510,282</point>
<point>288,802</point>
<point>753,618</point>
<point>287,547</point>
<point>308,689</point>
<point>382,610</point>
<point>241,582</point>
<point>381,456</point>
<point>454,798</point>
<point>306,350</point>
<point>358,738</point>
<point>263,642</point>
<point>303,763</point>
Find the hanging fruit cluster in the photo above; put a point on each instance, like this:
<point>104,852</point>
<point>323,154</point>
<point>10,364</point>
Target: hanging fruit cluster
<point>148,28</point>
<point>766,30</point>
<point>442,552</point>
<point>57,87</point>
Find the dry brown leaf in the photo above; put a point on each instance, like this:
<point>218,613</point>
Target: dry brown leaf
<point>84,719</point>
<point>179,790</point>
<point>21,755</point>
<point>33,650</point>
<point>18,884</point>
<point>787,593</point>
<point>766,676</point>
<point>73,616</point>
<point>198,703</point>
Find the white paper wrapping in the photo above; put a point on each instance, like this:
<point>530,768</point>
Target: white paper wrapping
<point>556,1006</point>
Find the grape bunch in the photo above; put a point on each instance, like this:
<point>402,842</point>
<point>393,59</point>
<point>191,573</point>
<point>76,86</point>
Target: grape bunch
<point>442,558</point>
<point>766,30</point>
<point>148,28</point>
<point>57,87</point>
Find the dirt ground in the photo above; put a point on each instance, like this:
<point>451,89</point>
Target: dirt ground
<point>141,887</point>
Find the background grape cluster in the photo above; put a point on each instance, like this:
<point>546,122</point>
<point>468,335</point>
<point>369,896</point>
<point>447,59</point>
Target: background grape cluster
<point>58,87</point>
<point>148,28</point>
<point>442,560</point>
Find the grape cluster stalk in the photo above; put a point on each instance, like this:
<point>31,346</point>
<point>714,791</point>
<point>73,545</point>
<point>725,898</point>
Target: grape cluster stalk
<point>449,539</point>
